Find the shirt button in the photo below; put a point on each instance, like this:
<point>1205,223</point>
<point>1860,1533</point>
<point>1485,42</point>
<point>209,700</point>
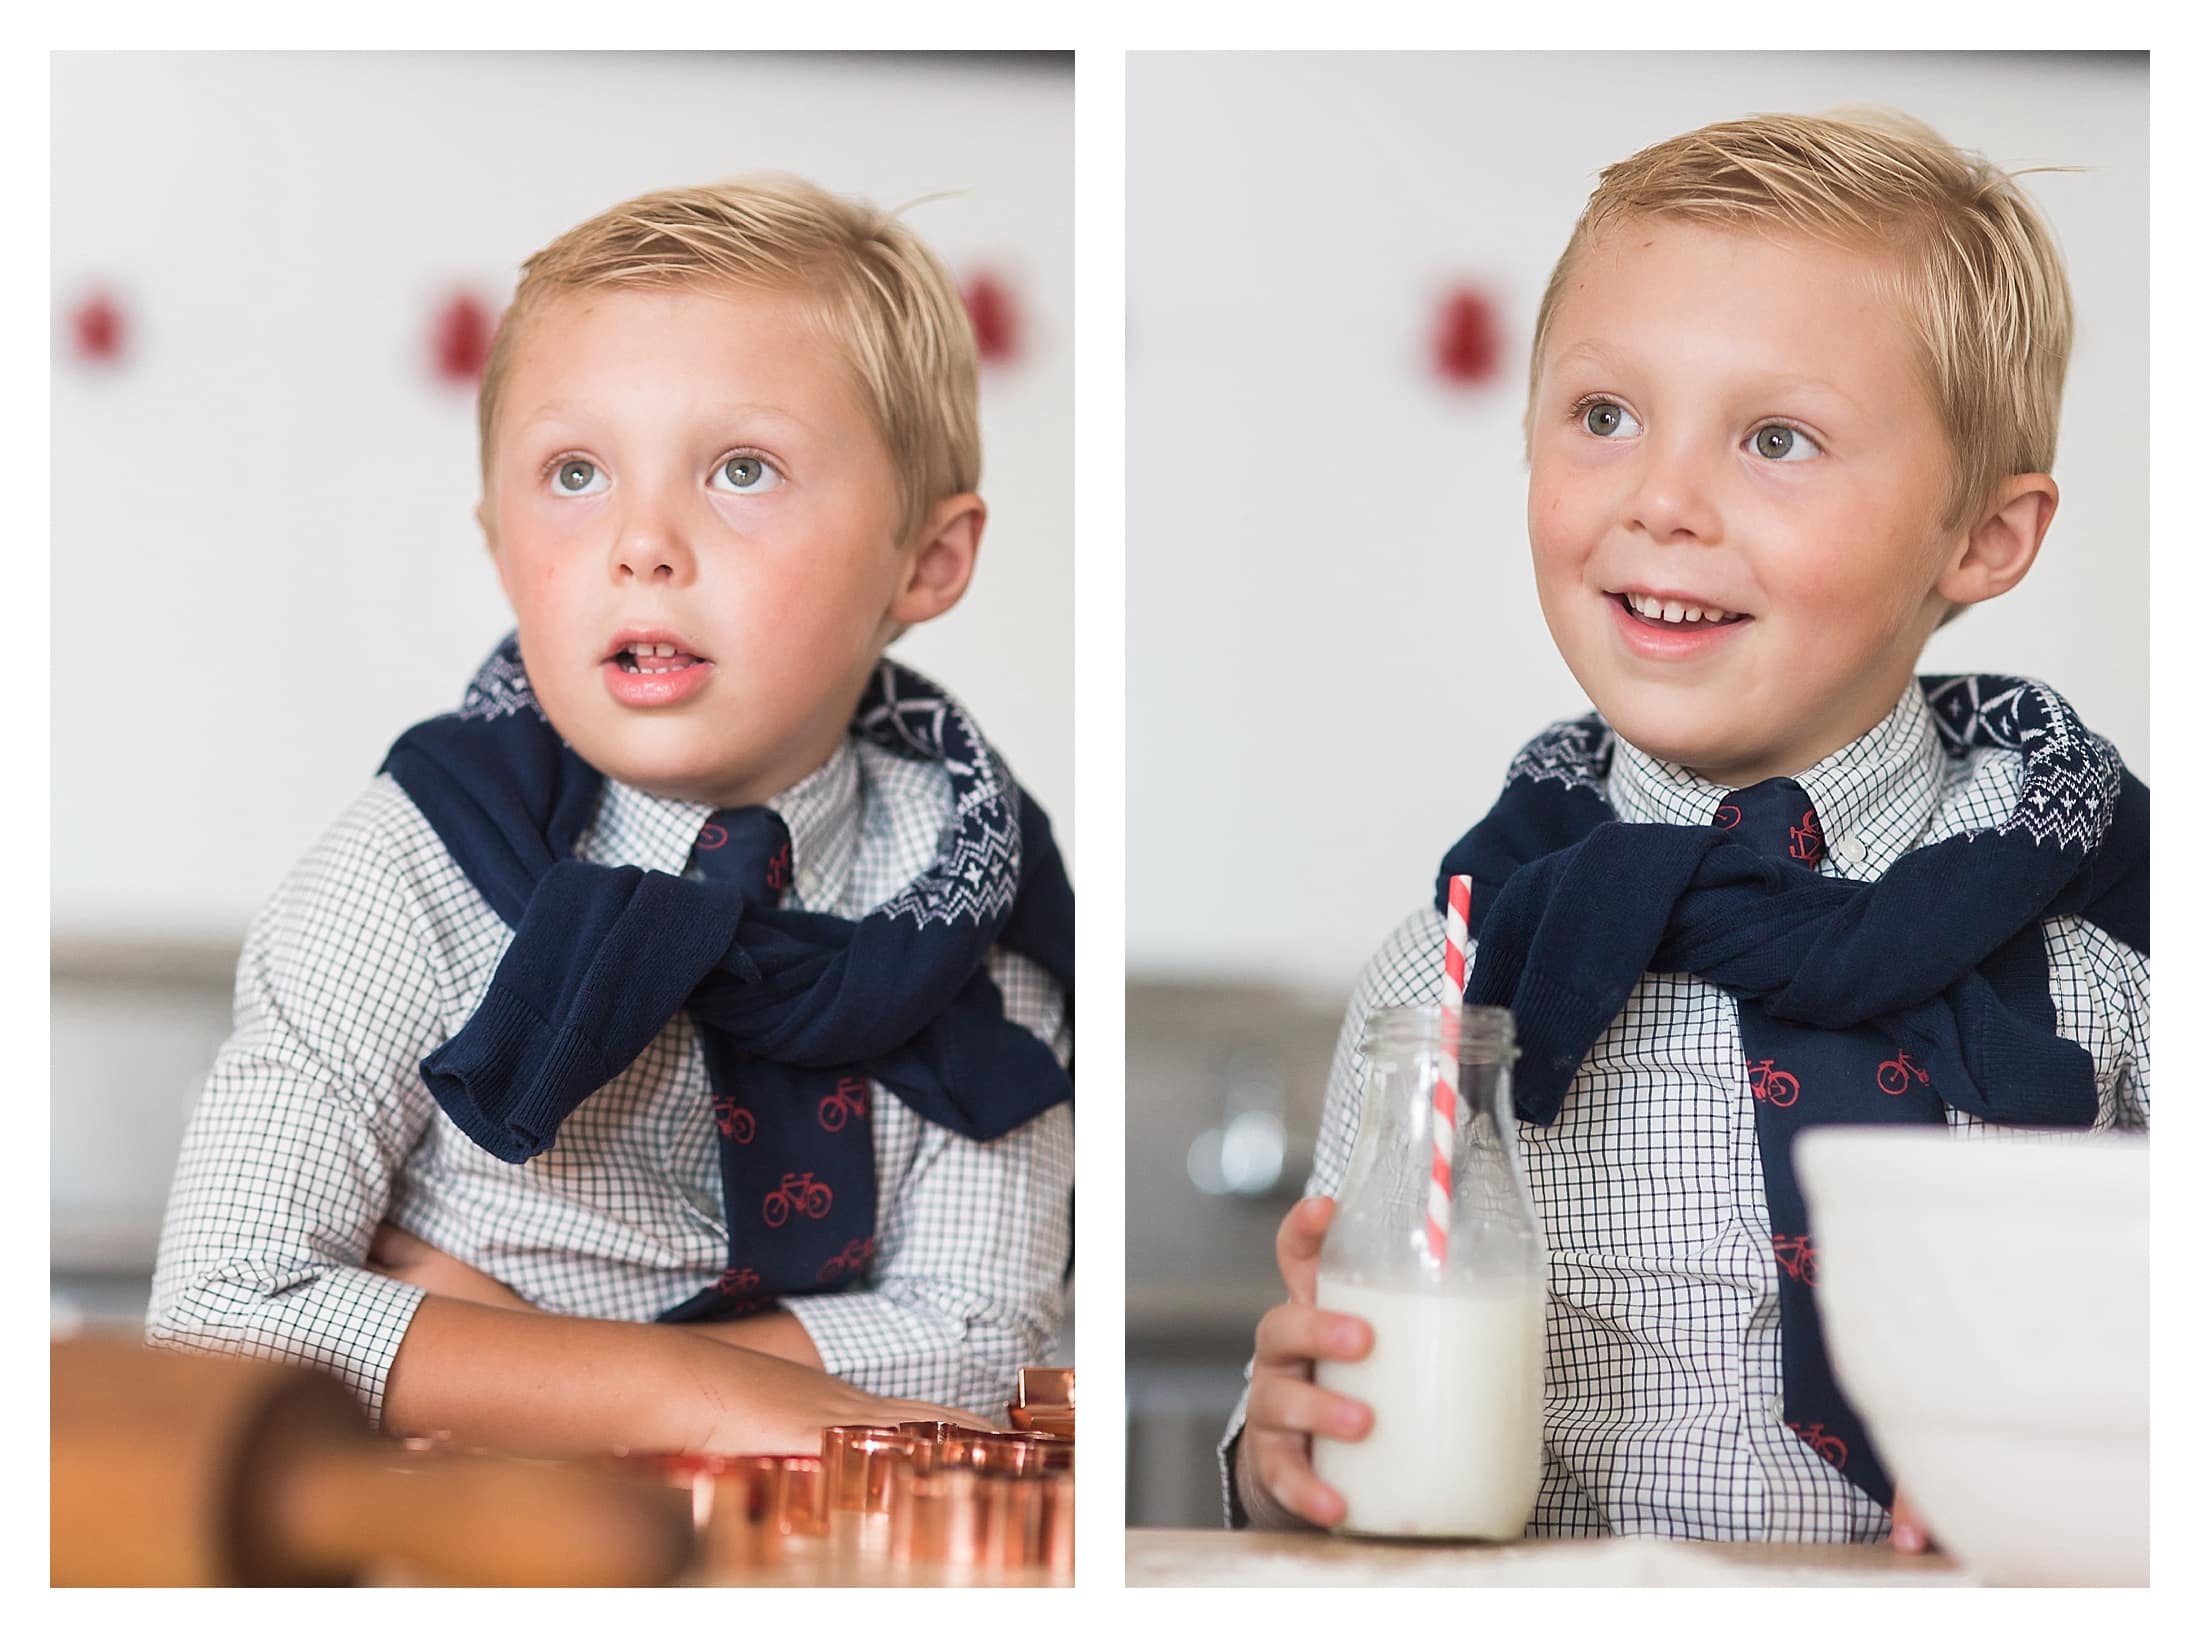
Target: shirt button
<point>1778,1407</point>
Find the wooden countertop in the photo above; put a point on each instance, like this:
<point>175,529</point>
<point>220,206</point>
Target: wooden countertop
<point>1289,1558</point>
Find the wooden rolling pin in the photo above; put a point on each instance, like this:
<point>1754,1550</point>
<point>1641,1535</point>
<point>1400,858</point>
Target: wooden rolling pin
<point>177,1469</point>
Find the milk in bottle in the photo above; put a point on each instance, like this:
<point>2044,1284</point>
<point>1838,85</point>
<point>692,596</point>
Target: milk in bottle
<point>1455,1378</point>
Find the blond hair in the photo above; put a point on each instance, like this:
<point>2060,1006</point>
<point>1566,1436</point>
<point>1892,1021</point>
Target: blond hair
<point>872,286</point>
<point>1967,257</point>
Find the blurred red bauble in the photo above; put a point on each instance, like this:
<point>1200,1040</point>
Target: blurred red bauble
<point>994,319</point>
<point>463,331</point>
<point>97,328</point>
<point>1466,338</point>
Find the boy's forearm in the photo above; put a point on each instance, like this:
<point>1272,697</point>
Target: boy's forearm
<point>553,1384</point>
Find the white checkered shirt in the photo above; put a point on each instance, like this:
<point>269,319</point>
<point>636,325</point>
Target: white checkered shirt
<point>315,1126</point>
<point>1662,1410</point>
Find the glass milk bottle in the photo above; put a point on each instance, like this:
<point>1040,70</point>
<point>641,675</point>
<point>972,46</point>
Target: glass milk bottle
<point>1450,1277</point>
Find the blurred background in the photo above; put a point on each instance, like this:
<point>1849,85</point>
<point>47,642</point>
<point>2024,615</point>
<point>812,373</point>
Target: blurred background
<point>274,278</point>
<point>1334,265</point>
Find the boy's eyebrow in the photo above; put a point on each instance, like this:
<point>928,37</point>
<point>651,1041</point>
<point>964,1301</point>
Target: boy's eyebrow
<point>1596,352</point>
<point>1764,380</point>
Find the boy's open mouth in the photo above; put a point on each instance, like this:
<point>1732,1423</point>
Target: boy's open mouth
<point>651,659</point>
<point>1667,612</point>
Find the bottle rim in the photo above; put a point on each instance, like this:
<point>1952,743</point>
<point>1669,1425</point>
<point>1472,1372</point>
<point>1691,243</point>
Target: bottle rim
<point>1485,1034</point>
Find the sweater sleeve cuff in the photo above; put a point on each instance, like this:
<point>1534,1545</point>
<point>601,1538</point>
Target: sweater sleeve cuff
<point>508,1044</point>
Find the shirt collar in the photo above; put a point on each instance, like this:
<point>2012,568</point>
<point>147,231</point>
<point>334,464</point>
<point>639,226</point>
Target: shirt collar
<point>823,813</point>
<point>1875,796</point>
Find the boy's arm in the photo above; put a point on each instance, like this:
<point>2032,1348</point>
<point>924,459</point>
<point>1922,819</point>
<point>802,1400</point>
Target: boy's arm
<point>553,1384</point>
<point>967,1285</point>
<point>304,1120</point>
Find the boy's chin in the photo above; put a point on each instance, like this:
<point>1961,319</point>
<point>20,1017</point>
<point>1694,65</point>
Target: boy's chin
<point>1697,741</point>
<point>664,771</point>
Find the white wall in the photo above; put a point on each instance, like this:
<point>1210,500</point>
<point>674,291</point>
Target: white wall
<point>264,563</point>
<point>1334,641</point>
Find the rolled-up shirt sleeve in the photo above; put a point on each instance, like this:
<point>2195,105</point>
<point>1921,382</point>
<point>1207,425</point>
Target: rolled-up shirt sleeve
<point>967,1282</point>
<point>304,1121</point>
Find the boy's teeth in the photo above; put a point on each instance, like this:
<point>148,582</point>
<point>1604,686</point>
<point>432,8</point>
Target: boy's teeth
<point>654,659</point>
<point>1675,613</point>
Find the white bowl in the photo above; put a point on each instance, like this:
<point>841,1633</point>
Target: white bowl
<point>1985,1307</point>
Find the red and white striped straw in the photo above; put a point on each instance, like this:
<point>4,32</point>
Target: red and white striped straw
<point>1444,1101</point>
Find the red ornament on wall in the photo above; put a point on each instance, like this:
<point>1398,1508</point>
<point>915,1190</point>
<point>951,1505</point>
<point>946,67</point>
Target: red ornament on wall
<point>96,328</point>
<point>994,318</point>
<point>463,331</point>
<point>1466,338</point>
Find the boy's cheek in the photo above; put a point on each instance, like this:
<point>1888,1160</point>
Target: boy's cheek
<point>1561,522</point>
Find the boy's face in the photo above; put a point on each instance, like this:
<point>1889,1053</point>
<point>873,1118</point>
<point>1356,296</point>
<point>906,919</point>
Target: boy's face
<point>1735,423</point>
<point>695,468</point>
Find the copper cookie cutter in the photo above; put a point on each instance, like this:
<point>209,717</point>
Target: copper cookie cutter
<point>746,1508</point>
<point>1046,1401</point>
<point>994,1521</point>
<point>861,1463</point>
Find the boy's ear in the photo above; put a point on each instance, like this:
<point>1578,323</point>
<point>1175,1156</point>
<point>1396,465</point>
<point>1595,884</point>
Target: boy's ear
<point>2000,550</point>
<point>941,562</point>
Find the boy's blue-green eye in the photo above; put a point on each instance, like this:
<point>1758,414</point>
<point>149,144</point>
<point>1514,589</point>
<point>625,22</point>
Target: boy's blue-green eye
<point>574,476</point>
<point>749,475</point>
<point>1601,418</point>
<point>1777,443</point>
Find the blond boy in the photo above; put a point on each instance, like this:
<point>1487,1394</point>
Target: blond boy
<point>1793,403</point>
<point>478,1124</point>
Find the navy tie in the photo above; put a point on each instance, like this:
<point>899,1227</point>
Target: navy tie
<point>748,848</point>
<point>794,1149</point>
<point>1777,818</point>
<point>1799,1077</point>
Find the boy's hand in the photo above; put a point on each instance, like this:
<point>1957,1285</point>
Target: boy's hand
<point>1284,1408</point>
<point>770,1406</point>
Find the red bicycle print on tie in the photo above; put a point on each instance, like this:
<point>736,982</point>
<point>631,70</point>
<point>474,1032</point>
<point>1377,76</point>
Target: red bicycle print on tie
<point>737,1282</point>
<point>713,838</point>
<point>1816,1436</point>
<point>1795,1253</point>
<point>851,1097</point>
<point>852,1258</point>
<point>1728,817</point>
<point>781,869</point>
<point>1806,841</point>
<point>734,1121</point>
<point>1774,1086</point>
<point>797,1192</point>
<point>1895,1073</point>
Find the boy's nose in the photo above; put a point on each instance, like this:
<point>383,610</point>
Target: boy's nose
<point>652,552</point>
<point>1674,499</point>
